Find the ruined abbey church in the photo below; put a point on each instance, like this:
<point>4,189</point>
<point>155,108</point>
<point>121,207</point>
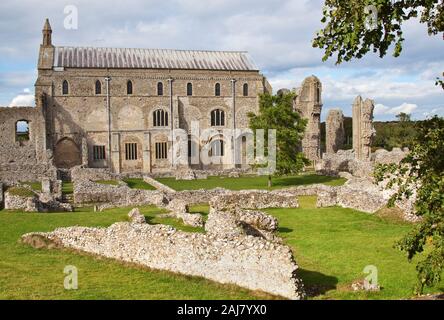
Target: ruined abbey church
<point>115,108</point>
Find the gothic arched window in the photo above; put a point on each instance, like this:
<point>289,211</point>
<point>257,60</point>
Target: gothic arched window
<point>189,89</point>
<point>217,118</point>
<point>160,118</point>
<point>129,87</point>
<point>98,87</point>
<point>65,87</point>
<point>245,90</point>
<point>160,89</point>
<point>217,90</point>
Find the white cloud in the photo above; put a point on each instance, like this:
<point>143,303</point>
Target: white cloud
<point>408,108</point>
<point>23,100</point>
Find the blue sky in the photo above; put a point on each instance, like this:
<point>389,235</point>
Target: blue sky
<point>276,33</point>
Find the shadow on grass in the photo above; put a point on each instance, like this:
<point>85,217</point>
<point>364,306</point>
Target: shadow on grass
<point>317,283</point>
<point>285,230</point>
<point>303,179</point>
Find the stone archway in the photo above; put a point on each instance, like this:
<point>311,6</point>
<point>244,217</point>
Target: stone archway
<point>67,154</point>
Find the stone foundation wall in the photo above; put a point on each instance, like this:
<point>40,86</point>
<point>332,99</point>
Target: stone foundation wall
<point>86,191</point>
<point>12,173</point>
<point>247,261</point>
<point>13,202</point>
<point>159,186</point>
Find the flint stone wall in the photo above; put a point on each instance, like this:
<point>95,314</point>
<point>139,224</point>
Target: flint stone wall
<point>11,173</point>
<point>254,199</point>
<point>159,186</point>
<point>86,191</point>
<point>247,261</point>
<point>13,202</point>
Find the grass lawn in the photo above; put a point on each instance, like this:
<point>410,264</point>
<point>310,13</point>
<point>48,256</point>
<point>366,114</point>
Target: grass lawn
<point>136,183</point>
<point>27,273</point>
<point>249,182</point>
<point>331,245</point>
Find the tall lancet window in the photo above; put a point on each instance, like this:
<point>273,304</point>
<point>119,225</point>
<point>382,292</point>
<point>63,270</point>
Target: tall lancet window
<point>129,87</point>
<point>65,87</point>
<point>98,87</point>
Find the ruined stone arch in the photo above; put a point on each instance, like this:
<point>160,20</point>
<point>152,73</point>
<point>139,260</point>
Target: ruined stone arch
<point>67,153</point>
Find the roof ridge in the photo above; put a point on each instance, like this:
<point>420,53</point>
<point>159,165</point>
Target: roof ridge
<point>165,49</point>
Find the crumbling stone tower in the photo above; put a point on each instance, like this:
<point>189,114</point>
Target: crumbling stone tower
<point>335,133</point>
<point>363,130</point>
<point>308,103</point>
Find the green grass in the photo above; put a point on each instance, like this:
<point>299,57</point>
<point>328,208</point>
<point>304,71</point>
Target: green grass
<point>249,182</point>
<point>28,273</point>
<point>20,191</point>
<point>108,182</point>
<point>67,187</point>
<point>331,245</point>
<point>136,183</point>
<point>36,186</point>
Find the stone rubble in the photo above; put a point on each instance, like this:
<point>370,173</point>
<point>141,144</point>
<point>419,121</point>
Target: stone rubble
<point>251,262</point>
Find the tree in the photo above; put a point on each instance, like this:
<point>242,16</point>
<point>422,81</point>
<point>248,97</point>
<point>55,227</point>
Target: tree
<point>423,170</point>
<point>276,112</point>
<point>403,117</point>
<point>353,28</point>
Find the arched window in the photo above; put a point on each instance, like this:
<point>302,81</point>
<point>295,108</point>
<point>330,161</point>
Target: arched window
<point>160,89</point>
<point>129,87</point>
<point>217,148</point>
<point>160,118</point>
<point>189,89</point>
<point>245,90</point>
<point>65,87</point>
<point>217,117</point>
<point>318,94</point>
<point>98,87</point>
<point>217,90</point>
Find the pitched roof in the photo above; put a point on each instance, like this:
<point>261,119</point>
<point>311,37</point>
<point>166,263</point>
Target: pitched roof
<point>88,57</point>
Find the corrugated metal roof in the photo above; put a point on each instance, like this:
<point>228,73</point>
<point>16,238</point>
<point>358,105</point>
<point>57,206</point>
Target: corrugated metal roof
<point>88,57</point>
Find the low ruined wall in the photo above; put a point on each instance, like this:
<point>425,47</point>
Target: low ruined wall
<point>79,173</point>
<point>12,173</point>
<point>13,202</point>
<point>247,261</point>
<point>192,197</point>
<point>86,191</point>
<point>254,199</point>
<point>159,186</point>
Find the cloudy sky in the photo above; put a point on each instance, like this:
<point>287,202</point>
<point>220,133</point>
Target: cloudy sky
<point>277,34</point>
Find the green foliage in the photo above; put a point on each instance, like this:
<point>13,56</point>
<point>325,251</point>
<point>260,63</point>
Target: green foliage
<point>395,133</point>
<point>423,170</point>
<point>276,112</point>
<point>347,32</point>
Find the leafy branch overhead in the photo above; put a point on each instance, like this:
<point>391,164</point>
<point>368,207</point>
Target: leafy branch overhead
<point>354,28</point>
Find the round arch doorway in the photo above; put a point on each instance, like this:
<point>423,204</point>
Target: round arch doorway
<point>67,154</point>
